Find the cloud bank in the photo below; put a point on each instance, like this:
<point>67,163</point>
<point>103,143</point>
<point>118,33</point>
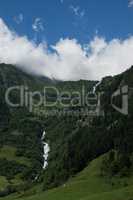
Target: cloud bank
<point>68,59</point>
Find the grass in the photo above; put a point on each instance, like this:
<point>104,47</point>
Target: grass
<point>9,153</point>
<point>87,185</point>
<point>3,182</point>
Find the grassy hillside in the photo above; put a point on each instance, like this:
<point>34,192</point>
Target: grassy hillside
<point>3,182</point>
<point>87,185</point>
<point>10,154</point>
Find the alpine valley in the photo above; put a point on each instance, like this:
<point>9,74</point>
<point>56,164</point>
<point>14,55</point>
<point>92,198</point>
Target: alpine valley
<point>65,152</point>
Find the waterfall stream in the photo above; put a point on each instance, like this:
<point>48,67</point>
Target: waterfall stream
<point>95,87</point>
<point>46,150</point>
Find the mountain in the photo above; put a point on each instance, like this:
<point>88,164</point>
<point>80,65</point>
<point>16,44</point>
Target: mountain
<point>12,75</point>
<point>21,150</point>
<point>21,146</point>
<point>78,133</point>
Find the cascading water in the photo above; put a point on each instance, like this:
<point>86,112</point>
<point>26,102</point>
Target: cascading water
<point>95,87</point>
<point>46,151</point>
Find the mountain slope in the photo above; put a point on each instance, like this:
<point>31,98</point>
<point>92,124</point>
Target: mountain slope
<point>74,140</point>
<point>21,150</point>
<point>88,185</point>
<point>21,147</point>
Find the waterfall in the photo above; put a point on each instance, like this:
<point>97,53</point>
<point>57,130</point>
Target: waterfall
<point>95,87</point>
<point>46,150</point>
<point>98,111</point>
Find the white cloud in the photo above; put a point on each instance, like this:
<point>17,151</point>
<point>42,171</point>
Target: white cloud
<point>130,3</point>
<point>38,26</point>
<point>19,19</point>
<point>77,11</point>
<point>68,60</point>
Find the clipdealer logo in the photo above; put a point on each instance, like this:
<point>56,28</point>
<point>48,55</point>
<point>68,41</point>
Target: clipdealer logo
<point>28,98</point>
<point>123,93</point>
<point>64,99</point>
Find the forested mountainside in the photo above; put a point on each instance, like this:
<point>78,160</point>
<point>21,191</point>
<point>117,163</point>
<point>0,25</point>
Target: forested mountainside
<point>21,150</point>
<point>21,147</point>
<point>92,136</point>
<point>74,140</point>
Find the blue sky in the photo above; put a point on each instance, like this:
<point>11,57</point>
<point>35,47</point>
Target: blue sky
<point>67,39</point>
<point>107,18</point>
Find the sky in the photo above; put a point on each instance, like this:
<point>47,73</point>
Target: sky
<point>67,39</point>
